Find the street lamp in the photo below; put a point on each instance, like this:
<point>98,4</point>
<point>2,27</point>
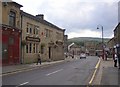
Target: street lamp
<point>102,40</point>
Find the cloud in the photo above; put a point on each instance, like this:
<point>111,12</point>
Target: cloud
<point>76,15</point>
<point>84,33</point>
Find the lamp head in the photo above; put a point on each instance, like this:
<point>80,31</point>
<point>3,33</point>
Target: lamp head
<point>97,27</point>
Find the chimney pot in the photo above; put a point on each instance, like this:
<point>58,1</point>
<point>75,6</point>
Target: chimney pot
<point>40,16</point>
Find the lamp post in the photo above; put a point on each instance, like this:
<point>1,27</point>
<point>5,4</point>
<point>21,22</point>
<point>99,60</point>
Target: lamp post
<point>102,40</point>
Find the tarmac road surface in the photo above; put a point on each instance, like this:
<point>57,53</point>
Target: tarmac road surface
<point>72,72</point>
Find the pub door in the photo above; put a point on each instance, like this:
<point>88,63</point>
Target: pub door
<point>11,49</point>
<point>5,59</point>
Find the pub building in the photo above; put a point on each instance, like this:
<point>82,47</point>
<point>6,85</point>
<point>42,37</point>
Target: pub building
<point>30,38</point>
<point>40,36</point>
<point>11,33</point>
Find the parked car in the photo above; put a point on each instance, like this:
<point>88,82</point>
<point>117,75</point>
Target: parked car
<point>82,55</point>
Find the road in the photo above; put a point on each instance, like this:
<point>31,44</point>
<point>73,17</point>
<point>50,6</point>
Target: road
<point>72,72</point>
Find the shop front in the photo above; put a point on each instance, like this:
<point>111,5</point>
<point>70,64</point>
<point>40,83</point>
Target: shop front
<point>10,45</point>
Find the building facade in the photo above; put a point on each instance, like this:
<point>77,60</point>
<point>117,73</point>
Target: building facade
<point>40,36</point>
<point>99,49</point>
<point>25,35</point>
<point>11,33</point>
<point>117,34</point>
<point>117,37</point>
<point>65,43</point>
<point>90,47</point>
<point>30,38</point>
<point>117,30</point>
<point>75,50</point>
<point>111,43</point>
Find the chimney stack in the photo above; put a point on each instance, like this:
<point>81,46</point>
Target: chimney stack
<point>40,16</point>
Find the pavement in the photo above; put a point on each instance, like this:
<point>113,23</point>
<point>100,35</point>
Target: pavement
<point>107,74</point>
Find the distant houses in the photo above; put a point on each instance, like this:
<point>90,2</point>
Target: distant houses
<point>88,46</point>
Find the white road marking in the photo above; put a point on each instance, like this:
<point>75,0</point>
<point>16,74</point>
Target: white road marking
<point>24,83</point>
<point>54,72</point>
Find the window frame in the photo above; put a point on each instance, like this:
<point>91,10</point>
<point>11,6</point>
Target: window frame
<point>12,18</point>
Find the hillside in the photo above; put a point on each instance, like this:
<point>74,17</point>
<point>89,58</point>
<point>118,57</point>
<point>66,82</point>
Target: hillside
<point>82,40</point>
<point>88,39</point>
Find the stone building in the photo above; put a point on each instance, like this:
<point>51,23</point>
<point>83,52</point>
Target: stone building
<point>11,33</point>
<point>117,37</point>
<point>90,47</point>
<point>117,31</point>
<point>39,35</point>
<point>65,43</point>
<point>117,34</point>
<point>25,35</point>
<point>75,50</point>
<point>30,38</point>
<point>111,43</point>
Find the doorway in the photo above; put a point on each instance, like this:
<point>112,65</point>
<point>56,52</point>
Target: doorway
<point>49,52</point>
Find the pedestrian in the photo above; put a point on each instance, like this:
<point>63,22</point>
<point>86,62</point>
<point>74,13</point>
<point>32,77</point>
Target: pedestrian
<point>118,59</point>
<point>39,59</point>
<point>106,55</point>
<point>115,60</point>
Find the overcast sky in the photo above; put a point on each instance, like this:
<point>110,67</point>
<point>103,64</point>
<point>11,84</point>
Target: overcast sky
<point>80,18</point>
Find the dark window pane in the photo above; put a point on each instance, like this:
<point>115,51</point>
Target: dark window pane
<point>34,30</point>
<point>27,30</point>
<point>30,50</point>
<point>33,48</point>
<point>30,30</point>
<point>12,16</point>
<point>27,48</point>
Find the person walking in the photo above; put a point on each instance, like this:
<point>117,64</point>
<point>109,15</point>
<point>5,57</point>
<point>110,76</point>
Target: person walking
<point>39,59</point>
<point>118,59</point>
<point>106,55</point>
<point>115,60</point>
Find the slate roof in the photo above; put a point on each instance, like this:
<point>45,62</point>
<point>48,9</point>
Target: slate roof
<point>40,20</point>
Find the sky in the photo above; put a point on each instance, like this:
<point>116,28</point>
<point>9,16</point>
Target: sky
<point>80,18</point>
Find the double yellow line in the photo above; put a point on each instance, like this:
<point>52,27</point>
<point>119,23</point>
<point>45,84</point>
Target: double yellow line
<point>96,68</point>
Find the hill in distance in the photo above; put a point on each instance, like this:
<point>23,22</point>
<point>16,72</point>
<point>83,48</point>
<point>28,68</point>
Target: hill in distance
<point>82,40</point>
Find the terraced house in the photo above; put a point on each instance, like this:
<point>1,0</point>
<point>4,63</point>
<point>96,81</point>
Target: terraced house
<point>90,47</point>
<point>117,35</point>
<point>26,35</point>
<point>11,33</point>
<point>40,36</point>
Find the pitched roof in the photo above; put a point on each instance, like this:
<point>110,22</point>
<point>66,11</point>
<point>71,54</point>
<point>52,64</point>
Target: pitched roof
<point>117,26</point>
<point>40,20</point>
